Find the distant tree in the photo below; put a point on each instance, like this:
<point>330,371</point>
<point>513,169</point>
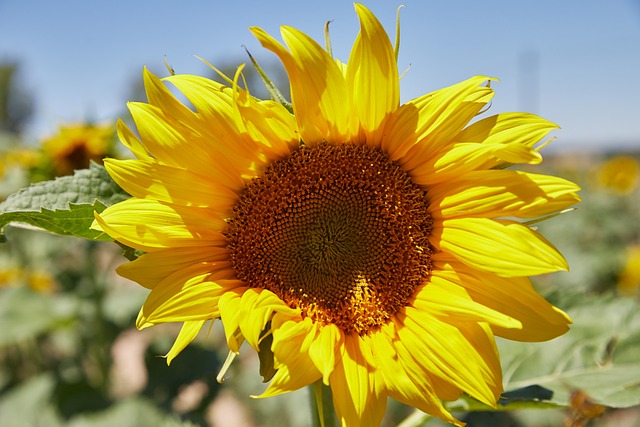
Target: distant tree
<point>16,104</point>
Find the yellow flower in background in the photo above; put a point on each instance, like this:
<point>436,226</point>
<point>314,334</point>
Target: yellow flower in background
<point>376,244</point>
<point>38,280</point>
<point>620,174</point>
<point>75,145</point>
<point>19,158</point>
<point>629,279</point>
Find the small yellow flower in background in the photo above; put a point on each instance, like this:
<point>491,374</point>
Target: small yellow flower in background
<point>366,239</point>
<point>620,174</point>
<point>75,145</point>
<point>9,276</point>
<point>39,280</point>
<point>24,157</point>
<point>629,279</point>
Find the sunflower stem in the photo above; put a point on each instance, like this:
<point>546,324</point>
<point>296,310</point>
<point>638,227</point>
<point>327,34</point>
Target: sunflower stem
<point>323,412</point>
<point>416,419</point>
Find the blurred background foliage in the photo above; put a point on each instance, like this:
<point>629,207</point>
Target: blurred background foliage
<point>70,356</point>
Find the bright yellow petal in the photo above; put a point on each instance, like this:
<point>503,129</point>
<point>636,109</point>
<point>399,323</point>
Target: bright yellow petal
<point>189,294</point>
<point>507,128</point>
<point>358,393</point>
<point>372,75</point>
<point>152,268</point>
<point>129,140</point>
<point>148,180</point>
<point>291,338</point>
<point>507,249</point>
<point>269,123</point>
<point>406,381</point>
<point>324,348</point>
<point>445,300</point>
<point>187,334</point>
<point>462,158</point>
<point>220,134</point>
<point>436,346</point>
<point>148,225</point>
<point>514,297</point>
<point>256,309</point>
<point>159,96</point>
<point>229,308</point>
<point>169,146</point>
<point>425,125</point>
<point>501,193</point>
<point>318,87</point>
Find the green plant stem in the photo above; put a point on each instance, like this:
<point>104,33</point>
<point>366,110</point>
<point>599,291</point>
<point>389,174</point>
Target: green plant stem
<point>99,339</point>
<point>416,419</point>
<point>323,412</point>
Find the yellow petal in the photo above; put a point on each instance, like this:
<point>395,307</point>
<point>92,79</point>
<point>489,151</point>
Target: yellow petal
<point>406,381</point>
<point>464,157</point>
<point>358,393</point>
<point>324,348</point>
<point>188,294</point>
<point>295,367</point>
<point>269,123</point>
<point>514,297</point>
<point>318,86</point>
<point>159,96</point>
<point>152,268</point>
<point>256,309</point>
<point>444,299</point>
<point>128,138</point>
<point>220,134</point>
<point>164,142</point>
<point>372,76</point>
<point>507,249</point>
<point>501,193</point>
<point>436,346</point>
<point>148,225</point>
<point>507,128</point>
<point>229,308</point>
<point>425,125</point>
<point>170,184</point>
<point>188,333</point>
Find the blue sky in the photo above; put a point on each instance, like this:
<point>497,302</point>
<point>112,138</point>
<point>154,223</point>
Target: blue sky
<point>575,62</point>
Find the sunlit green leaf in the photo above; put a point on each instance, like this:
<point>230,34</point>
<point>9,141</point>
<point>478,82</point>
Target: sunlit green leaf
<point>65,205</point>
<point>599,356</point>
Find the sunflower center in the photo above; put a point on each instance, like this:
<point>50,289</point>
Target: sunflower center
<point>340,232</point>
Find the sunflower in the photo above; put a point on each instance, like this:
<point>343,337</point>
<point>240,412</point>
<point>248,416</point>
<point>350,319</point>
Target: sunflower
<point>379,247</point>
<point>74,146</point>
<point>620,174</point>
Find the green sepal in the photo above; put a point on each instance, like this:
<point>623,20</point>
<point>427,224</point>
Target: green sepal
<point>265,354</point>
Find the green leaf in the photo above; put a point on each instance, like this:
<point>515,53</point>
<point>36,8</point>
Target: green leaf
<point>65,205</point>
<point>25,314</point>
<point>599,356</point>
<point>26,403</point>
<point>532,393</point>
<point>131,412</point>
